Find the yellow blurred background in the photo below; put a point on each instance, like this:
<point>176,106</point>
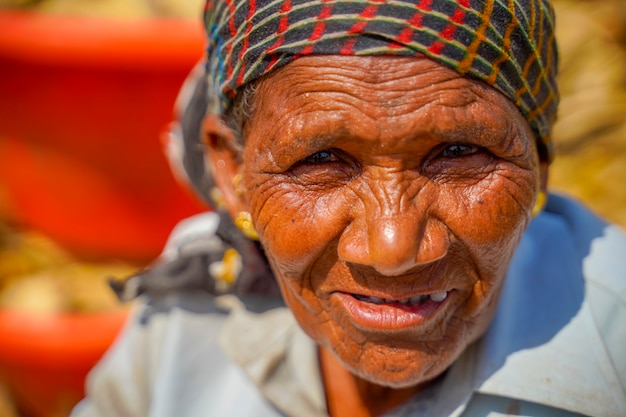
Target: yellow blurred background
<point>38,275</point>
<point>590,134</point>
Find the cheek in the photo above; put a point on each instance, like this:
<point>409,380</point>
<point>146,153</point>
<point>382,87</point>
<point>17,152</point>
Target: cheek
<point>296,227</point>
<point>488,220</point>
<point>490,217</point>
<point>298,232</point>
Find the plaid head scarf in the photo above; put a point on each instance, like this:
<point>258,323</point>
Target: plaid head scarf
<point>508,44</point>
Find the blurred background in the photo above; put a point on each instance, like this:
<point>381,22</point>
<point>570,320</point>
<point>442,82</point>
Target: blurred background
<point>87,89</point>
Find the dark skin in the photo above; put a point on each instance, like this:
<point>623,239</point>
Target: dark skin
<point>390,194</point>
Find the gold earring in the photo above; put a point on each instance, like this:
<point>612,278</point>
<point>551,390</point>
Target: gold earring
<point>239,190</point>
<point>539,203</point>
<point>218,198</point>
<point>226,271</point>
<point>243,221</point>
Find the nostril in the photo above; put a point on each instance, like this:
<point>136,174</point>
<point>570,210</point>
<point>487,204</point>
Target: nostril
<point>434,243</point>
<point>353,247</point>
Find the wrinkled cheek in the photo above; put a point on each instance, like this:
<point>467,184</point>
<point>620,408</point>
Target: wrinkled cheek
<point>490,227</point>
<point>294,230</point>
<point>308,311</point>
<point>492,216</point>
<point>493,257</point>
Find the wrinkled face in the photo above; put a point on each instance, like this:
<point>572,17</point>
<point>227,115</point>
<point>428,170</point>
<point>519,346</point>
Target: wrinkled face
<point>390,194</point>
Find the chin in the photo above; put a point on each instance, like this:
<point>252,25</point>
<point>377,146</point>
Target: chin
<point>398,381</point>
<point>396,367</point>
<point>404,364</point>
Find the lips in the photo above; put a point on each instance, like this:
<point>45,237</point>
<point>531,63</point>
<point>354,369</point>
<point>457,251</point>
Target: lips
<point>386,314</point>
<point>417,300</point>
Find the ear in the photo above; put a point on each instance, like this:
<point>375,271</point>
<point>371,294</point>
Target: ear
<point>224,159</point>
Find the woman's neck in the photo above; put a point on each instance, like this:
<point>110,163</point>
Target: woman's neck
<point>350,396</point>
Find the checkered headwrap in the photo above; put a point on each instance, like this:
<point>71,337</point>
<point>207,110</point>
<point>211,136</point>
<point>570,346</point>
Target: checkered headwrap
<point>509,44</point>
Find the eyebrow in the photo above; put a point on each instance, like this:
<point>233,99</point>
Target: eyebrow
<point>302,147</point>
<point>325,139</point>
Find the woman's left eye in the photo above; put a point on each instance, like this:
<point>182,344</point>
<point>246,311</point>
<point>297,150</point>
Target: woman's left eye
<point>458,150</point>
<point>320,158</point>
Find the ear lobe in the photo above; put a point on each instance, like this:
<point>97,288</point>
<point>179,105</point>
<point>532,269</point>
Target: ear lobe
<point>224,159</point>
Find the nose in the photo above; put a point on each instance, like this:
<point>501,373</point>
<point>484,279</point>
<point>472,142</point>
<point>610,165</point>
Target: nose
<point>393,239</point>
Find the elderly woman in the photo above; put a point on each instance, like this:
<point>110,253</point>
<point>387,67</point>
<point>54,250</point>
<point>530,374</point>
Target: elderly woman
<point>381,162</point>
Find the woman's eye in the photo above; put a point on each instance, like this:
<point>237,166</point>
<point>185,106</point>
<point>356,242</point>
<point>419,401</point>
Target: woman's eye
<point>320,158</point>
<point>458,150</point>
<point>323,170</point>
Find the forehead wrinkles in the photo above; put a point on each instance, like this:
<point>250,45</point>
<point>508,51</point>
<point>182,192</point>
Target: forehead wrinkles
<point>378,86</point>
<point>323,90</point>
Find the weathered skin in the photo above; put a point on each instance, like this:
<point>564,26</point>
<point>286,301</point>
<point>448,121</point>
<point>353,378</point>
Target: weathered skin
<point>390,178</point>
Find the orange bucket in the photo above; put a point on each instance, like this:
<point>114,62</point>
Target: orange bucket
<point>83,105</point>
<point>44,358</point>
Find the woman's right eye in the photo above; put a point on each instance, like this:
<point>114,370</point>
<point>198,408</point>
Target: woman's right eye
<point>327,168</point>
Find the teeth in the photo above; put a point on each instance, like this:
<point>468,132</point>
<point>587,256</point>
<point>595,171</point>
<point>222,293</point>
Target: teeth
<point>373,300</point>
<point>438,296</point>
<point>419,299</point>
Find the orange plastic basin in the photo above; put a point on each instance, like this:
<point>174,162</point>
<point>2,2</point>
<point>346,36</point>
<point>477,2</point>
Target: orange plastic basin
<point>44,358</point>
<point>83,105</point>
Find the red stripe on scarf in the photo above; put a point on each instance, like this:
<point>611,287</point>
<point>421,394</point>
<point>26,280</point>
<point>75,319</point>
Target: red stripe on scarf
<point>318,30</point>
<point>283,25</point>
<point>233,32</point>
<point>415,22</point>
<point>246,42</point>
<point>368,13</point>
<point>448,32</point>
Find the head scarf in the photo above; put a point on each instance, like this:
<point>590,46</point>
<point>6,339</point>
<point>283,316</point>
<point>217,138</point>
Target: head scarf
<point>508,44</point>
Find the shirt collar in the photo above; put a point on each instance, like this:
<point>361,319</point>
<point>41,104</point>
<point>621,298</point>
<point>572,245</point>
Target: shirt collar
<point>278,357</point>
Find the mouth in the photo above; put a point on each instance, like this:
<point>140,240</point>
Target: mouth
<point>371,313</point>
<point>418,300</point>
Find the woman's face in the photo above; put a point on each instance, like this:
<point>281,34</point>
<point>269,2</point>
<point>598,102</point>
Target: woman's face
<point>389,194</point>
